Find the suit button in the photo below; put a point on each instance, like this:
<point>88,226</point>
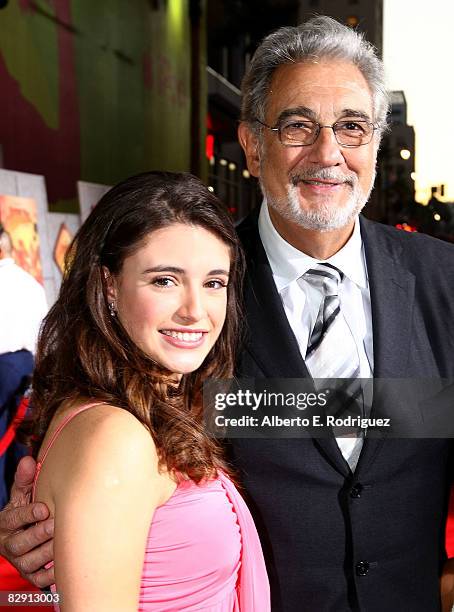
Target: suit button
<point>356,490</point>
<point>362,568</point>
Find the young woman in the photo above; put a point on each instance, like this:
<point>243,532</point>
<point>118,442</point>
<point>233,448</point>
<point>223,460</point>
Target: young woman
<point>146,516</point>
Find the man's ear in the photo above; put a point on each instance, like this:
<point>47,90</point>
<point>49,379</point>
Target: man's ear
<point>110,285</point>
<point>251,147</point>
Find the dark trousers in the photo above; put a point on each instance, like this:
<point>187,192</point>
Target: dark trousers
<point>15,371</point>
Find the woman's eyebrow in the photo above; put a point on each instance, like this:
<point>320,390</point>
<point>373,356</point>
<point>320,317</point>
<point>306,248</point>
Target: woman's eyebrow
<point>175,270</point>
<point>165,268</point>
<point>219,272</point>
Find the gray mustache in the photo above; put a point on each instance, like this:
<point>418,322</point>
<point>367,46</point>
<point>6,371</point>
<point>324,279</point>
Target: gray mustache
<point>323,174</point>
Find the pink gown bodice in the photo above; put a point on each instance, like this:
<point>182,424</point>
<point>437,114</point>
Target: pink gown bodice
<point>202,550</point>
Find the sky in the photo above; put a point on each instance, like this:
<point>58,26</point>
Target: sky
<point>418,52</point>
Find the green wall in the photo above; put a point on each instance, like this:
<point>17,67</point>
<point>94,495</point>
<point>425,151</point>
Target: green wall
<point>94,90</point>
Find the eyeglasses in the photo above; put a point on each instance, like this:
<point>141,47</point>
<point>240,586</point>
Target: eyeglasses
<point>303,133</point>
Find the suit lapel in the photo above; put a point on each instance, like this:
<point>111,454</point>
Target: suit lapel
<point>270,339</point>
<point>392,290</point>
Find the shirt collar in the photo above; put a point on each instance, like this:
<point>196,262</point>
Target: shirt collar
<point>288,263</point>
<point>6,261</point>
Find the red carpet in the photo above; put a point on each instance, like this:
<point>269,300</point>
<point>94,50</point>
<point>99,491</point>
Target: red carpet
<point>450,527</point>
<point>11,581</point>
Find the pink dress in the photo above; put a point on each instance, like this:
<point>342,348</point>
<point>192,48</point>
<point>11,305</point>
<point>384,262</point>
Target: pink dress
<point>202,550</point>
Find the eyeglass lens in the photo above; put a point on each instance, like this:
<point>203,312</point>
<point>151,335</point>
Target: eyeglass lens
<point>349,133</point>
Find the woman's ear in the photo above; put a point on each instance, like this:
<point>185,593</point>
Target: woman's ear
<point>111,289</point>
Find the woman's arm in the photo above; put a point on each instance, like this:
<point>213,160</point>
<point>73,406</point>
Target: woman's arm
<point>105,490</point>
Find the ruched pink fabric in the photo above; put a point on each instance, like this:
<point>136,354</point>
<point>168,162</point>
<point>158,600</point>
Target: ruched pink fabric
<point>202,550</point>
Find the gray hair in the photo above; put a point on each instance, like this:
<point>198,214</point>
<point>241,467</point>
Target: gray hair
<point>320,37</point>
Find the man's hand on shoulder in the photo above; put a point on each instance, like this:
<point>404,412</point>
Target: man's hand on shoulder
<point>447,586</point>
<point>26,531</point>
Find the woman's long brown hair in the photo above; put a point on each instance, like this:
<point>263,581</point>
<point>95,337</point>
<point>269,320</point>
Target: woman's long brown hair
<point>83,352</point>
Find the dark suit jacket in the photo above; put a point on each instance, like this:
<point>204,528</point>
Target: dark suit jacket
<point>372,540</point>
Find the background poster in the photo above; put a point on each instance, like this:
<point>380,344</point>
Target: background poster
<point>62,243</point>
<point>89,195</point>
<point>19,218</point>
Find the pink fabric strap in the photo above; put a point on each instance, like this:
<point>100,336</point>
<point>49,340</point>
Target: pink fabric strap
<point>254,590</point>
<point>63,424</point>
<point>66,420</point>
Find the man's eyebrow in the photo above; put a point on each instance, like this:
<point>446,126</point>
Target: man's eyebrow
<point>304,111</point>
<point>175,270</point>
<point>299,111</point>
<point>350,112</point>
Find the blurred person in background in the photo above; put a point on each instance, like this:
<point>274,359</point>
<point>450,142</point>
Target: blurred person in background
<point>22,308</point>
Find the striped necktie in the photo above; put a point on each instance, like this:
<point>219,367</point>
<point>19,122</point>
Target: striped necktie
<point>332,353</point>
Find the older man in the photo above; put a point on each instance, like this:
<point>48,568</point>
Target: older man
<point>347,523</point>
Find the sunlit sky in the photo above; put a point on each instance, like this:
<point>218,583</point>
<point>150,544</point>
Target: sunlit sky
<point>418,51</point>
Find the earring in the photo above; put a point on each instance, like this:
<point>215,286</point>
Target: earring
<point>112,310</point>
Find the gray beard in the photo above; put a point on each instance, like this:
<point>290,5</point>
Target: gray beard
<point>323,217</point>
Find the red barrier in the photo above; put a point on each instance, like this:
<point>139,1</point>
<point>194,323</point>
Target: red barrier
<point>450,527</point>
<point>9,434</point>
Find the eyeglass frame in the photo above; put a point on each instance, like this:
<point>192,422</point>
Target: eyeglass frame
<point>317,134</point>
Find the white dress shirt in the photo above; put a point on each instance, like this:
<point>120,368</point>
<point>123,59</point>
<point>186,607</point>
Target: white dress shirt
<point>302,301</point>
<point>23,306</point>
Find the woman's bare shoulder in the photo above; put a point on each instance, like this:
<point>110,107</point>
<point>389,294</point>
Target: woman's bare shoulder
<point>102,444</point>
<point>107,429</point>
